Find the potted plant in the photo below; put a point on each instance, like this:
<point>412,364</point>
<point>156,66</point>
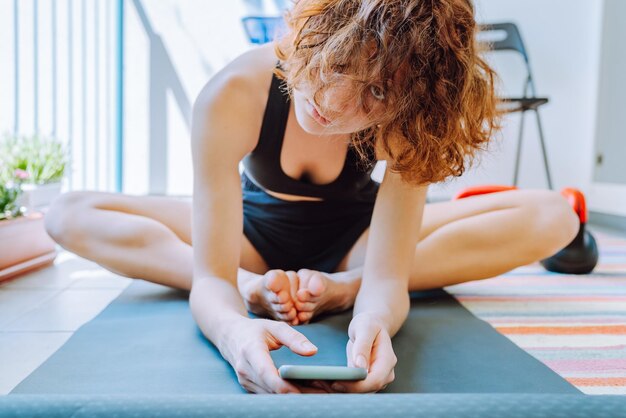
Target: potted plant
<point>24,243</point>
<point>43,160</point>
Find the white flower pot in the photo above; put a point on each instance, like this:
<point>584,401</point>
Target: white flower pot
<point>38,196</point>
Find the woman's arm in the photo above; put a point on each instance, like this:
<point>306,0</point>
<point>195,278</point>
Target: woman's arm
<point>382,304</point>
<point>224,130</point>
<point>219,141</point>
<point>393,236</point>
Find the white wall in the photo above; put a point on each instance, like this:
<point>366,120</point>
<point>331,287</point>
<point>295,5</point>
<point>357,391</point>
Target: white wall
<point>608,191</point>
<point>563,41</point>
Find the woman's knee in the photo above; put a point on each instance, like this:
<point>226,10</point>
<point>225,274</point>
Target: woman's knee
<point>64,216</point>
<point>81,220</point>
<point>553,222</point>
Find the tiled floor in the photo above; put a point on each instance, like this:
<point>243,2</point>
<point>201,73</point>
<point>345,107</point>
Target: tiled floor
<point>40,311</point>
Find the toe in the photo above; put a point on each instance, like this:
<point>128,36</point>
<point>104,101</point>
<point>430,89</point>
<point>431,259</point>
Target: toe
<point>277,287</point>
<point>317,285</point>
<point>276,280</point>
<point>305,295</point>
<point>312,286</point>
<point>283,296</point>
<point>282,307</point>
<point>294,283</point>
<point>288,316</point>
<point>305,306</point>
<point>305,317</point>
<point>280,298</point>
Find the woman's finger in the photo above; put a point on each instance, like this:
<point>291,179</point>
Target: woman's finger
<point>245,375</point>
<point>291,338</point>
<point>380,371</point>
<point>390,378</point>
<point>265,372</point>
<point>349,353</point>
<point>364,336</point>
<point>252,387</point>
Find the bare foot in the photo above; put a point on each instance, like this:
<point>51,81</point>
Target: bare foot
<point>271,295</point>
<point>320,292</point>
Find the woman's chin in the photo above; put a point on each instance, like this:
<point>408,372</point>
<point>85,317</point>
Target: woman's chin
<point>313,128</point>
<point>309,125</point>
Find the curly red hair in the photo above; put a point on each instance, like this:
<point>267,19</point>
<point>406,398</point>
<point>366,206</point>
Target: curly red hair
<point>440,104</point>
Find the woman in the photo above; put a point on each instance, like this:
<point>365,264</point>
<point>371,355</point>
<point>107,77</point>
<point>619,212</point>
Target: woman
<point>352,82</point>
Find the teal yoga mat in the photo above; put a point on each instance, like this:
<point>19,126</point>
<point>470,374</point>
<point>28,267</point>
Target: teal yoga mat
<point>315,406</point>
<point>146,343</point>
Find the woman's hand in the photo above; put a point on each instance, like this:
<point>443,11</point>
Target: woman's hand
<point>247,345</point>
<point>369,347</point>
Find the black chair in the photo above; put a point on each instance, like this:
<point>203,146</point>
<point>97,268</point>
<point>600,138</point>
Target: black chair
<point>511,40</point>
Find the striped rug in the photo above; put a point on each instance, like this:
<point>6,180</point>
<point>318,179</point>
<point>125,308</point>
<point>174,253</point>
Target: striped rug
<point>576,325</point>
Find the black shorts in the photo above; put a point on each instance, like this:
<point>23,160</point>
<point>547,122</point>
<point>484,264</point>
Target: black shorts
<point>304,234</point>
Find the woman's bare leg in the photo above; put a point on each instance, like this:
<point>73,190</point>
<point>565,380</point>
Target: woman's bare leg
<point>471,239</point>
<point>485,236</point>
<point>149,238</point>
<point>146,237</point>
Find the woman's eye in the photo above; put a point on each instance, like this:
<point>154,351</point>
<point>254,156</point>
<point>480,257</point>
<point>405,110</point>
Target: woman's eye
<point>377,92</point>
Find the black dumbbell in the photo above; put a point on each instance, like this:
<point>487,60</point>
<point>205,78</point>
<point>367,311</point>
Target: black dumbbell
<point>581,255</point>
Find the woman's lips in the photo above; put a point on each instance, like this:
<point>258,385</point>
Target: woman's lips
<point>316,115</point>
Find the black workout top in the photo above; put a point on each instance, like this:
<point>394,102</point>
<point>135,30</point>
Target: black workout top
<point>262,165</point>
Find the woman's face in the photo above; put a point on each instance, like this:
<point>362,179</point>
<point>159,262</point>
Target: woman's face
<point>338,111</point>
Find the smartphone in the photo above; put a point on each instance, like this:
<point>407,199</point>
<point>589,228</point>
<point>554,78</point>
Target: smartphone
<point>322,372</point>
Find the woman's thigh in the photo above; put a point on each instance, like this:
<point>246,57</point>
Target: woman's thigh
<point>173,213</point>
<point>439,214</point>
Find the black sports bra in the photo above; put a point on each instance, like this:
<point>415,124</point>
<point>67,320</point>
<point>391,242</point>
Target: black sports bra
<point>262,165</point>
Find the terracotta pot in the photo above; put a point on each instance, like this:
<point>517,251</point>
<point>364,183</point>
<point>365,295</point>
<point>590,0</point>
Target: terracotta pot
<point>24,245</point>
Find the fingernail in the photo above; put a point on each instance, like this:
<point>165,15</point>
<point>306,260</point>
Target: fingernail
<point>337,387</point>
<point>360,361</point>
<point>308,346</point>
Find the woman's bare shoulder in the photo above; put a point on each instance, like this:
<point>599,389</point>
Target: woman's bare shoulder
<point>239,91</point>
<point>248,75</point>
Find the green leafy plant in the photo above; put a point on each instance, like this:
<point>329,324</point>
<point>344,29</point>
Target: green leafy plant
<point>44,159</point>
<point>10,190</point>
